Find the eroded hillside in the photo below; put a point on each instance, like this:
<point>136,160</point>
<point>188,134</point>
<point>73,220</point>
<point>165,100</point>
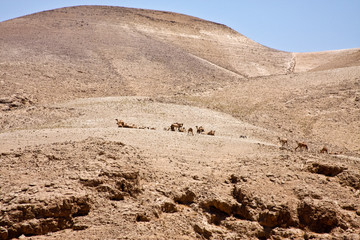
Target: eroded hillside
<point>68,171</point>
<point>128,51</point>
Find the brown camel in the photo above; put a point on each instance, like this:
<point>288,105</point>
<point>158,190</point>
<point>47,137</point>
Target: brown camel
<point>125,125</point>
<point>175,126</point>
<point>324,150</point>
<point>200,129</point>
<point>301,145</point>
<point>120,123</point>
<point>190,131</point>
<point>182,129</point>
<point>212,133</point>
<point>283,141</point>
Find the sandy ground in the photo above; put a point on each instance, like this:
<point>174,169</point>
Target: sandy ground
<point>67,171</point>
<point>186,184</point>
<point>98,120</point>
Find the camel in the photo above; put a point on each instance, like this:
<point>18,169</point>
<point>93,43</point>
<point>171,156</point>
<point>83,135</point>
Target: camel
<point>120,123</point>
<point>200,129</point>
<point>283,142</point>
<point>190,131</point>
<point>212,133</point>
<point>175,126</point>
<point>301,145</point>
<point>129,126</point>
<point>182,129</point>
<point>324,150</point>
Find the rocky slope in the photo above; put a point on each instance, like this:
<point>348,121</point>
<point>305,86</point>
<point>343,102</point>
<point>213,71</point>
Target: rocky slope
<point>67,171</point>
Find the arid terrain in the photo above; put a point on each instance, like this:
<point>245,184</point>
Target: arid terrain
<point>284,162</point>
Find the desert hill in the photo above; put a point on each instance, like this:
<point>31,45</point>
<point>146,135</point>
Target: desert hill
<point>131,51</point>
<point>68,171</point>
<point>327,60</point>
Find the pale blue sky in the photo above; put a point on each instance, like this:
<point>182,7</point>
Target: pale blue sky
<point>289,25</point>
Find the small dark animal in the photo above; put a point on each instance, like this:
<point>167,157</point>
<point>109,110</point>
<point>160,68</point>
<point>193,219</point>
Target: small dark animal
<point>301,145</point>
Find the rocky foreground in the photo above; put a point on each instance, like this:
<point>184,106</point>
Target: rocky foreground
<point>69,170</point>
<point>108,183</point>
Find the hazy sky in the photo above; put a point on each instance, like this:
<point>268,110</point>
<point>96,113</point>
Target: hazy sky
<point>290,25</point>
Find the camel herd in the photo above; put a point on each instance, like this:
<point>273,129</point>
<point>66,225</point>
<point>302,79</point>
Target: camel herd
<point>300,145</point>
<point>180,128</point>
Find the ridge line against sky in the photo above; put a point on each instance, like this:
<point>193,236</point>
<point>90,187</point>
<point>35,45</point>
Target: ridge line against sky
<point>294,26</point>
